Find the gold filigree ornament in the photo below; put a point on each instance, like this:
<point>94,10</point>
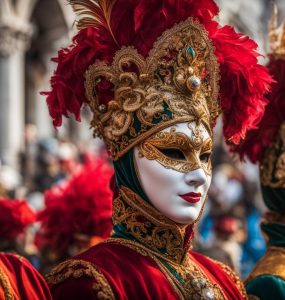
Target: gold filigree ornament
<point>177,82</point>
<point>191,150</point>
<point>272,168</point>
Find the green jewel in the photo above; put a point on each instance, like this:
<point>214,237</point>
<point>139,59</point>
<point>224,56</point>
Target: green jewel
<point>190,51</point>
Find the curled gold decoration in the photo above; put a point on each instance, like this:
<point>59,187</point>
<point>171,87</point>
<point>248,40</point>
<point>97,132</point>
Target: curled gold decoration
<point>180,75</point>
<point>191,147</point>
<point>76,268</point>
<point>272,167</point>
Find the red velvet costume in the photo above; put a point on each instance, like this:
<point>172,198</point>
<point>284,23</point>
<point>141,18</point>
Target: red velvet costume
<point>144,66</point>
<point>20,281</point>
<point>123,269</point>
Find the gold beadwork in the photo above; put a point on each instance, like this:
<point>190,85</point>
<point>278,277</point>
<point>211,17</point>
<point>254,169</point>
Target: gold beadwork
<point>76,268</point>
<point>178,80</point>
<point>272,167</point>
<point>191,147</point>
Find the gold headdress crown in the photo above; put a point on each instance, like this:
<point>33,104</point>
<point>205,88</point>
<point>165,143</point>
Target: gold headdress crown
<point>177,82</point>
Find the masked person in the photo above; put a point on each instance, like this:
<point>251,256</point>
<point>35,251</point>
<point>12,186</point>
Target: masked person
<point>266,146</point>
<point>156,75</point>
<point>18,278</point>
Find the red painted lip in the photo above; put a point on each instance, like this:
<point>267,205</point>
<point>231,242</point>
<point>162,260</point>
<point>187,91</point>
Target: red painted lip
<point>191,197</point>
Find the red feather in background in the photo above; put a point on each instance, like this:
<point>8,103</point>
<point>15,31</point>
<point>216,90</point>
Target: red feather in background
<point>83,205</point>
<point>258,140</point>
<point>15,216</point>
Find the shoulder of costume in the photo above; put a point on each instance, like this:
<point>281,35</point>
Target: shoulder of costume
<point>266,287</point>
<point>272,263</point>
<point>85,273</point>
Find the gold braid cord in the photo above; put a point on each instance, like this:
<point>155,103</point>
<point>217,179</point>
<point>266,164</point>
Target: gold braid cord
<point>272,167</point>
<point>176,82</point>
<point>6,286</point>
<point>74,268</point>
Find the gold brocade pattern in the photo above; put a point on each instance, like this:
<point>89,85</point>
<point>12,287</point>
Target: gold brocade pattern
<point>6,286</point>
<point>179,75</point>
<point>272,168</point>
<point>270,264</point>
<point>191,148</point>
<point>74,268</point>
<point>150,227</point>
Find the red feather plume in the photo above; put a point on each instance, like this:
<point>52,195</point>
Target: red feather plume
<point>15,216</point>
<point>83,206</point>
<point>258,140</point>
<point>139,23</point>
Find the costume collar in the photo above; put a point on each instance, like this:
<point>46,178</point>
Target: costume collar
<point>142,222</point>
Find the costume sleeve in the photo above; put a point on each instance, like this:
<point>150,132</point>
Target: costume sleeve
<point>78,279</point>
<point>266,287</point>
<point>24,279</point>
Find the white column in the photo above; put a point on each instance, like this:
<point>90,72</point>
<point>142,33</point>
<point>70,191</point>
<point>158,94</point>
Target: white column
<point>13,37</point>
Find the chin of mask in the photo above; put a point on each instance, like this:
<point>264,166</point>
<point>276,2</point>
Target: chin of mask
<point>174,169</point>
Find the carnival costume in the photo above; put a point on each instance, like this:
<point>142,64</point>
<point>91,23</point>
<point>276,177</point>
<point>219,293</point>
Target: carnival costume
<point>266,146</point>
<point>142,67</point>
<point>18,278</point>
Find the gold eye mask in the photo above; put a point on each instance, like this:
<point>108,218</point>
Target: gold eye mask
<point>177,151</point>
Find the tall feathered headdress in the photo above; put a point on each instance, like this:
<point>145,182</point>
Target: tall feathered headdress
<point>144,65</point>
<point>266,144</point>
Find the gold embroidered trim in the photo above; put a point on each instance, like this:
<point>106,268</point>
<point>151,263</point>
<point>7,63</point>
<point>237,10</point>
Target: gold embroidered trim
<point>74,268</point>
<point>6,285</point>
<point>236,279</point>
<point>272,167</point>
<point>181,74</point>
<point>150,227</point>
<point>272,263</point>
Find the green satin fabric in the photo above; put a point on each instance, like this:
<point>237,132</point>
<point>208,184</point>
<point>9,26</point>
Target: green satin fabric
<point>267,287</point>
<point>275,233</point>
<point>274,198</point>
<point>126,174</point>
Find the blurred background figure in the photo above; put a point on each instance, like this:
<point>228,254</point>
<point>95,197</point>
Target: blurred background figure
<point>77,213</point>
<point>15,217</point>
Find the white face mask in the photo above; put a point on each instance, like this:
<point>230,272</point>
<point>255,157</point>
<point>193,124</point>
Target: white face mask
<point>177,195</point>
